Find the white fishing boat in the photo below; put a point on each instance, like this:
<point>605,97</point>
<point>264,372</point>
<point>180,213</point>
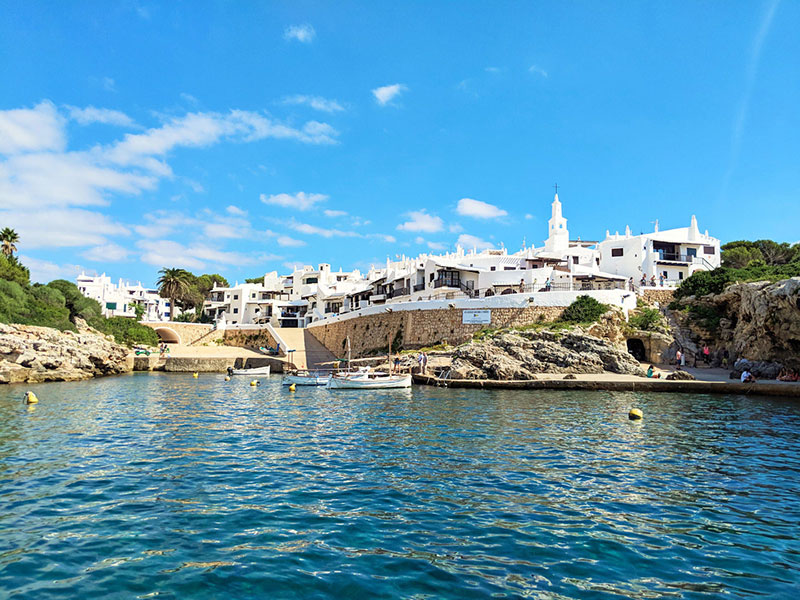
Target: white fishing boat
<point>368,381</point>
<point>306,378</point>
<point>254,371</point>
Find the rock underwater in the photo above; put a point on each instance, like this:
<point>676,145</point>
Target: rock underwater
<point>36,354</point>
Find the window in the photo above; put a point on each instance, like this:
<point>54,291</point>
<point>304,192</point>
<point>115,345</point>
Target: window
<point>509,269</point>
<point>253,295</point>
<point>574,260</point>
<point>616,252</point>
<point>493,269</point>
<point>680,274</point>
<point>709,250</point>
<point>691,252</point>
<point>235,310</point>
<point>236,296</point>
<point>312,280</point>
<point>433,275</point>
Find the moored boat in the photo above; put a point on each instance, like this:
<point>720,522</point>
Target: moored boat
<point>253,371</point>
<point>306,378</point>
<point>367,381</point>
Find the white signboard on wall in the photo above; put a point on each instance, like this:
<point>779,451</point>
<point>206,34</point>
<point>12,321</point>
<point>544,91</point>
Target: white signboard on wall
<point>477,317</point>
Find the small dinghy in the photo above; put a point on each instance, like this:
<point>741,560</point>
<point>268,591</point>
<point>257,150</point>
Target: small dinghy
<point>253,371</point>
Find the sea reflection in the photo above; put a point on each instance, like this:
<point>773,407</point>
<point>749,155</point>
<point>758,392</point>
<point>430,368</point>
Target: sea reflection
<point>162,484</point>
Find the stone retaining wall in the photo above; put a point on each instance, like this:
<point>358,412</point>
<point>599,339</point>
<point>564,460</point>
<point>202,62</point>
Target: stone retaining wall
<point>371,334</point>
<point>663,297</point>
<point>249,339</point>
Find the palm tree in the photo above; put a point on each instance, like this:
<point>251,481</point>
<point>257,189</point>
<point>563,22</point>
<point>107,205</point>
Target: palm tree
<point>173,283</point>
<point>8,238</point>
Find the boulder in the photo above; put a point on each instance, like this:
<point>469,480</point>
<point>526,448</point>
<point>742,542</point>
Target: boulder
<point>520,355</point>
<point>680,376</point>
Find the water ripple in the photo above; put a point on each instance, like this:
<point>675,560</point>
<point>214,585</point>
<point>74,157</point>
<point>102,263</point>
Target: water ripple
<point>160,485</point>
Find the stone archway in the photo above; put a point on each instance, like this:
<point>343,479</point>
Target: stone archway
<point>168,335</point>
<point>636,349</point>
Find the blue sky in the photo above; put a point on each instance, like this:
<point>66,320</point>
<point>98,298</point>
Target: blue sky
<point>240,137</point>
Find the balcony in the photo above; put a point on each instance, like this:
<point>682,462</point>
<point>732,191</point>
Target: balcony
<point>676,257</point>
<point>451,283</point>
<point>399,292</point>
<point>419,287</point>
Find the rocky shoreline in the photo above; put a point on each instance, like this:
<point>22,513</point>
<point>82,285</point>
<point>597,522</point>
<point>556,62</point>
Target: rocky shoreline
<point>37,354</point>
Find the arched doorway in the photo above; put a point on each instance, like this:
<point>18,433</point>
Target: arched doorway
<point>636,349</point>
<point>168,336</point>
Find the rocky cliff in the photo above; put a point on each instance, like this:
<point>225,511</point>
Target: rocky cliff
<point>36,354</point>
<point>757,321</point>
<point>521,354</point>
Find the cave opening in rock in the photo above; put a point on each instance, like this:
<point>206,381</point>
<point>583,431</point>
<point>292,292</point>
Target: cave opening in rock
<point>636,349</point>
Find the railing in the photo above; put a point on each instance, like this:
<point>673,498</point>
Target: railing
<point>446,283</point>
<point>676,257</point>
<point>419,287</point>
<point>399,292</point>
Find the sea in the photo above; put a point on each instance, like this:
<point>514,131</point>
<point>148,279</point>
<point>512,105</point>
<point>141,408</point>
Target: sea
<point>160,485</point>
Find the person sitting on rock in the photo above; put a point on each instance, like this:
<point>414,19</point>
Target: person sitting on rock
<point>652,374</point>
<point>747,377</point>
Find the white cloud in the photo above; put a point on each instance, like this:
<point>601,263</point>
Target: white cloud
<point>222,230</point>
<point>43,271</point>
<point>290,242</point>
<point>422,221</point>
<point>528,216</point>
<point>419,240</point>
<point>302,33</point>
<point>61,227</point>
<point>31,129</point>
<point>324,232</point>
<point>437,246</point>
<point>189,98</point>
<point>389,239</point>
<point>536,70</point>
<point>315,102</point>
<point>470,241</point>
<point>166,253</point>
<point>90,114</point>
<point>334,213</point>
<point>299,201</point>
<point>385,94</point>
<point>479,210</point>
<point>106,253</point>
<point>236,211</point>
<point>455,228</point>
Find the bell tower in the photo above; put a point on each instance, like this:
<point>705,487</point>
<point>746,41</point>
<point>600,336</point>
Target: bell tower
<point>558,235</point>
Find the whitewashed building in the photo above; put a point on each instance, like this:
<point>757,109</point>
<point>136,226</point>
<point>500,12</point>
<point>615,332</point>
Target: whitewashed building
<point>120,299</point>
<point>662,257</point>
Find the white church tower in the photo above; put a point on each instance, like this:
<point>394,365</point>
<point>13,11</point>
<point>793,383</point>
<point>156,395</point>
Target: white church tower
<point>558,236</point>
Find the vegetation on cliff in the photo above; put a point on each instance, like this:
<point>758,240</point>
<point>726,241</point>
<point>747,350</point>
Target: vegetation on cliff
<point>188,291</point>
<point>57,304</point>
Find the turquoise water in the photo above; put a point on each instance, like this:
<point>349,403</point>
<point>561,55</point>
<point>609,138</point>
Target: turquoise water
<point>160,485</point>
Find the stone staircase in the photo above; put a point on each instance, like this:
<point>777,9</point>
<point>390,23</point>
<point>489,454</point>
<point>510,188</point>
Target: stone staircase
<point>308,353</point>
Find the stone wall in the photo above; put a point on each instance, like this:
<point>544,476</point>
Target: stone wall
<point>663,297</point>
<point>371,334</point>
<point>184,333</point>
<point>249,338</point>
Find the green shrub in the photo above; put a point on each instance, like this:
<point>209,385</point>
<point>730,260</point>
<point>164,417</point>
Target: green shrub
<point>126,331</point>
<point>584,309</point>
<point>12,270</point>
<point>645,318</point>
<point>78,304</point>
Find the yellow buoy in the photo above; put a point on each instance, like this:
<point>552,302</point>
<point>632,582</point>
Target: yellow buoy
<point>195,375</point>
<point>254,382</point>
<point>227,377</point>
<point>292,388</point>
<point>30,398</point>
<point>635,414</point>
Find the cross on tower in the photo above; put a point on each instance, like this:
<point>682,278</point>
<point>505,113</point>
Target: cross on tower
<point>556,186</point>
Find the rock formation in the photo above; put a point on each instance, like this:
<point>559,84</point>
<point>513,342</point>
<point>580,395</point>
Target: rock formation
<point>757,321</point>
<point>37,354</point>
<point>521,354</point>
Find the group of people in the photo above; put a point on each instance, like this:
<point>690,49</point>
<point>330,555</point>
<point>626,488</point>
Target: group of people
<point>162,349</point>
<point>643,282</point>
<point>788,375</point>
<point>422,361</point>
<point>705,353</point>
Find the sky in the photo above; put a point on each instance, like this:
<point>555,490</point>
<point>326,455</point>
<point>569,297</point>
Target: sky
<point>245,137</point>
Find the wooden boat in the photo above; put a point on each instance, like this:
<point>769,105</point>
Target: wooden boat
<point>368,381</point>
<point>253,371</point>
<point>306,378</point>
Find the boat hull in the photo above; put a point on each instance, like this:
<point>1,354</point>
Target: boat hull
<point>305,380</point>
<point>255,371</point>
<point>364,383</point>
